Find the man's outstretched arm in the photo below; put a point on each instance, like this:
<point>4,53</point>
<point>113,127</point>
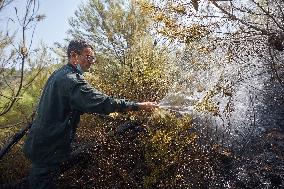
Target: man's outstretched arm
<point>87,99</point>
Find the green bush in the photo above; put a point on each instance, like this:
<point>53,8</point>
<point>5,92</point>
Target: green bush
<point>143,76</point>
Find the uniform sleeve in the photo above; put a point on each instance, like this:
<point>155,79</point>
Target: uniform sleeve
<point>87,99</point>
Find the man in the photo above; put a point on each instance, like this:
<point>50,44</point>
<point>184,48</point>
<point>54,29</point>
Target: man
<point>66,95</point>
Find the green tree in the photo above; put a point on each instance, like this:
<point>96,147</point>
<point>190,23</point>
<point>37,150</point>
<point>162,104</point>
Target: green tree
<point>112,26</point>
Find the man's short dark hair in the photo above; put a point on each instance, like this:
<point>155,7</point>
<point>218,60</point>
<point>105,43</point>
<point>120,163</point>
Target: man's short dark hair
<point>77,46</point>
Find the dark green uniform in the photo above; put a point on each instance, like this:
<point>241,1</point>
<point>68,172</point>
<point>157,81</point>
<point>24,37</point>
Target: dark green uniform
<point>66,92</point>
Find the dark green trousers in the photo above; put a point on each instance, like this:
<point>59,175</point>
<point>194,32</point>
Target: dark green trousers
<point>44,176</point>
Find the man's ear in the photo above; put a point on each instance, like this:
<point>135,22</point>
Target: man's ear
<point>73,56</point>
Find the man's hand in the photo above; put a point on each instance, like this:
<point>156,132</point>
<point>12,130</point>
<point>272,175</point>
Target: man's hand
<point>147,106</point>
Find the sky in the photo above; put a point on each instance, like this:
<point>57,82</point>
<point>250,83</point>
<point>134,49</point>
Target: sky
<point>53,28</point>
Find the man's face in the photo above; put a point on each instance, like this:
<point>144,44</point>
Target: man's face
<point>86,59</point>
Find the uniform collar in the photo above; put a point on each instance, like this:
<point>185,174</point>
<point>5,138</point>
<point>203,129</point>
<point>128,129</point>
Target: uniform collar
<point>74,68</point>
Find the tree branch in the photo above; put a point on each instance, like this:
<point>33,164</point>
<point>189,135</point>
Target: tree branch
<point>233,17</point>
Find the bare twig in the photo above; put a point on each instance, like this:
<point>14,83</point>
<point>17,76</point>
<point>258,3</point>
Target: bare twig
<point>234,17</point>
<point>267,13</point>
<point>30,13</point>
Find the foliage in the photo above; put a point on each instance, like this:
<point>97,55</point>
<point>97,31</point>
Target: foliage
<point>173,20</point>
<point>14,55</point>
<point>231,26</point>
<point>233,50</point>
<point>13,166</point>
<point>112,26</point>
<point>144,150</point>
<point>243,43</point>
<point>143,77</point>
<point>40,67</point>
<point>129,64</point>
<point>160,149</point>
<point>165,149</point>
